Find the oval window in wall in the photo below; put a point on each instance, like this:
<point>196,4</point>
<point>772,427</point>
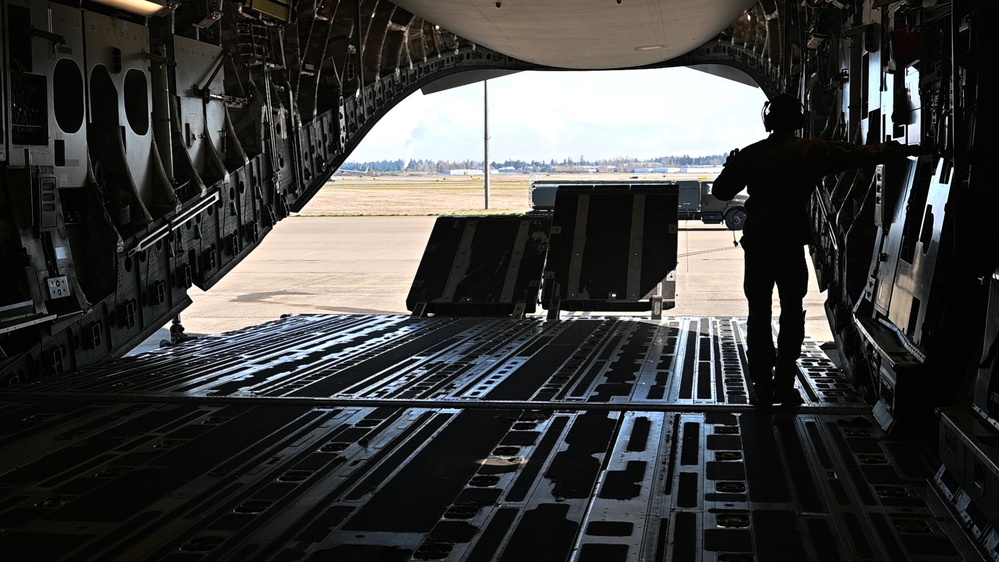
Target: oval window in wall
<point>137,101</point>
<point>67,95</point>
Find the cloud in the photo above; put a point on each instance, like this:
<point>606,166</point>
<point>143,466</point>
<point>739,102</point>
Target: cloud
<point>598,114</point>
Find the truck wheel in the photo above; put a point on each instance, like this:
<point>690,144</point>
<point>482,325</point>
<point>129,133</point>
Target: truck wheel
<point>735,219</point>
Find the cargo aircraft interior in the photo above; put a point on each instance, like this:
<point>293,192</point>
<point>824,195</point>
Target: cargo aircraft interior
<point>148,146</point>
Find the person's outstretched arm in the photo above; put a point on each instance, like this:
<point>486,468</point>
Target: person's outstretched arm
<point>841,156</point>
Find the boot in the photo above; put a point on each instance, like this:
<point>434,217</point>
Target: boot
<point>784,392</point>
<point>761,395</point>
<point>788,397</point>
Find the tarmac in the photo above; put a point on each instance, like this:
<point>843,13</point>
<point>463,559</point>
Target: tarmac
<point>365,265</point>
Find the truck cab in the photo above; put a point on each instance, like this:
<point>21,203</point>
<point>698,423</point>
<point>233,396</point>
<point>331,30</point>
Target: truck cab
<point>696,202</point>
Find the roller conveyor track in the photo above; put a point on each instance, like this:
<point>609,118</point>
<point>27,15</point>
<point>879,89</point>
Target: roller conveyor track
<point>391,438</point>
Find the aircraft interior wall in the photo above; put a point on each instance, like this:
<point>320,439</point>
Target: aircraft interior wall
<point>148,155</point>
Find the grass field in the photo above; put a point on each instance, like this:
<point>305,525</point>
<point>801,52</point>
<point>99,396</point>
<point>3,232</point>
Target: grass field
<point>434,195</point>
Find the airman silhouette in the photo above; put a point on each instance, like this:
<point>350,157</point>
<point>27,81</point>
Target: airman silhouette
<point>779,173</point>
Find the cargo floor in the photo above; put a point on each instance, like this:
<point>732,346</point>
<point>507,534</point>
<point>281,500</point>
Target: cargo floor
<point>390,438</point>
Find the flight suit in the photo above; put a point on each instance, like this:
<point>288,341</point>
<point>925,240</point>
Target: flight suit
<point>779,174</point>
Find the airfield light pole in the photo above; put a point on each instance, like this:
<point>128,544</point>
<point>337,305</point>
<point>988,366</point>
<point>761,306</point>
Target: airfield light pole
<point>485,140</point>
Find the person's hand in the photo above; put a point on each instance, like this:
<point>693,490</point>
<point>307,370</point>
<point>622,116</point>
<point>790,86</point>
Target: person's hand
<point>730,155</point>
<point>923,149</point>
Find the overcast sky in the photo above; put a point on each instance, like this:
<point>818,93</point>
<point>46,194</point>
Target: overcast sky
<point>558,115</point>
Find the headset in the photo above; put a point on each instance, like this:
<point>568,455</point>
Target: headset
<point>783,113</point>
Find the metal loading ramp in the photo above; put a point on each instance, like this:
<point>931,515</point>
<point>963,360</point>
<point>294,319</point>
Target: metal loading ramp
<point>396,438</point>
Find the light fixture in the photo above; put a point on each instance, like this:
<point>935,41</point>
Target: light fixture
<point>650,48</point>
<point>145,8</point>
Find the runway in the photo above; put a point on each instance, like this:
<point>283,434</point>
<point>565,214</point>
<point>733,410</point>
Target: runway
<point>366,265</point>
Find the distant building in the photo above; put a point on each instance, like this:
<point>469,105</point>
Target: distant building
<point>701,169</point>
<point>478,172</point>
<point>657,170</point>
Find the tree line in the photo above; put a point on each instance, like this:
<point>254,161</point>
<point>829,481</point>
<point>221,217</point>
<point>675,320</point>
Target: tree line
<point>534,166</point>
